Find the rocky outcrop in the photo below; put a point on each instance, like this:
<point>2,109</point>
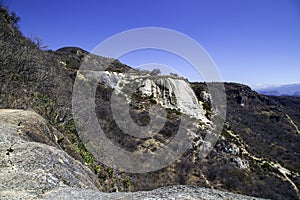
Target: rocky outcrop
<point>164,193</point>
<point>30,167</point>
<point>169,92</point>
<point>174,93</point>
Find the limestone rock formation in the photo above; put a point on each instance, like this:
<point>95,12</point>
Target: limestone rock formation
<point>29,166</point>
<point>169,92</point>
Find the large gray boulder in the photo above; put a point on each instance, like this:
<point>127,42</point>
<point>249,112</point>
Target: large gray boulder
<point>28,169</point>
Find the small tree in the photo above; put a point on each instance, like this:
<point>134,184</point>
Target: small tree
<point>11,17</point>
<point>14,19</point>
<point>155,72</point>
<point>174,74</point>
<point>38,41</point>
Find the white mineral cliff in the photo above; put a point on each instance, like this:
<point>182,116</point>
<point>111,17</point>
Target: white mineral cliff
<point>169,92</point>
<point>173,93</point>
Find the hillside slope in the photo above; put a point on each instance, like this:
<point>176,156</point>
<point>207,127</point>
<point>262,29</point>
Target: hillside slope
<point>257,153</point>
<point>33,166</point>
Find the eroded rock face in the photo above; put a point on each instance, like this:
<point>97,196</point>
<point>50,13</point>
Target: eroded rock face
<point>174,93</point>
<point>20,126</point>
<point>169,92</point>
<point>29,168</point>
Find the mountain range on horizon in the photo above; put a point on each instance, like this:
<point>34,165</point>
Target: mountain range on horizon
<point>280,90</point>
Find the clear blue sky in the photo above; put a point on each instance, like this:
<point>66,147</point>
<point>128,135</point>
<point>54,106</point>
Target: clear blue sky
<point>251,41</point>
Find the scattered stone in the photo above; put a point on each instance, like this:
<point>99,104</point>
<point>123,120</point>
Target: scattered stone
<point>240,163</point>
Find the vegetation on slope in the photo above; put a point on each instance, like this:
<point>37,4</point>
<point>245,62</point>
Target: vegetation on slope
<point>259,138</point>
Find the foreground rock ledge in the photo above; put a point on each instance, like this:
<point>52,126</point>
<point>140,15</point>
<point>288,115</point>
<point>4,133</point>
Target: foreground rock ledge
<point>36,168</point>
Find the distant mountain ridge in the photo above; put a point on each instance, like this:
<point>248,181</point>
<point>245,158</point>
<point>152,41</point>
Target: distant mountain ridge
<point>282,90</point>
